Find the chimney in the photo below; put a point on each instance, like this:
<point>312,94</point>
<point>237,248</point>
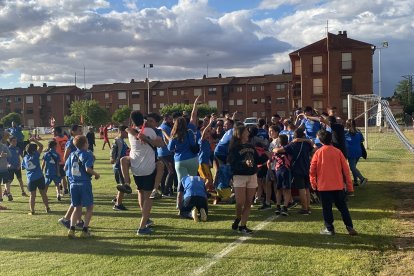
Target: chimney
<point>44,84</point>
<point>344,33</point>
<point>339,32</point>
<point>31,85</point>
<point>132,80</point>
<point>219,76</point>
<point>204,76</point>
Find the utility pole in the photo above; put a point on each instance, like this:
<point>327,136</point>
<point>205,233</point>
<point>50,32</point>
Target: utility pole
<point>410,87</point>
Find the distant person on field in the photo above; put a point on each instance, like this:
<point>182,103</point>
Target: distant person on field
<point>90,136</point>
<point>61,140</point>
<point>50,164</point>
<point>17,131</point>
<point>4,170</point>
<point>15,165</point>
<point>354,139</point>
<point>328,171</point>
<point>105,137</point>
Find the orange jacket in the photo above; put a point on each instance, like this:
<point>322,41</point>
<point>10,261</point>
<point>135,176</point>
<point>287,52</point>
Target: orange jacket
<point>329,170</point>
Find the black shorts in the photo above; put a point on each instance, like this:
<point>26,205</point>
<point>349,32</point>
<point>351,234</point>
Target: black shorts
<point>145,182</point>
<point>119,178</point>
<point>262,172</point>
<point>283,179</point>
<point>62,170</point>
<point>300,182</point>
<point>194,201</point>
<point>13,172</point>
<point>36,184</point>
<point>4,177</point>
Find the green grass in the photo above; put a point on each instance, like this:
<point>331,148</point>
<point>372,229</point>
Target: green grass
<point>37,245</point>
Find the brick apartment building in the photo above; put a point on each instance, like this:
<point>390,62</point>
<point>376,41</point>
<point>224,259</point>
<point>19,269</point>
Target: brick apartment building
<point>37,104</point>
<point>326,71</point>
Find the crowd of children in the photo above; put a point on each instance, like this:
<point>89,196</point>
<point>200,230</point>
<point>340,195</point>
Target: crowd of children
<point>175,154</point>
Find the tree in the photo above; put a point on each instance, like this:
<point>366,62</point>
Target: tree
<point>403,92</point>
<point>121,115</point>
<point>11,117</point>
<point>87,112</point>
<point>203,109</point>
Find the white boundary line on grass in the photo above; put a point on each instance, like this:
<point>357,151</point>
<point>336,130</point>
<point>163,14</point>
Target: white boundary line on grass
<point>232,246</point>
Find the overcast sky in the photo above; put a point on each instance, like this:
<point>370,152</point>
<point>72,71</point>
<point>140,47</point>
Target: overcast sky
<point>49,40</point>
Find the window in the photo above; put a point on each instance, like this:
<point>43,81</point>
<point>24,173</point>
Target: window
<point>29,111</point>
<point>1,111</point>
<point>1,99</point>
<point>280,87</point>
<point>231,102</point>
<point>154,105</point>
<point>345,106</point>
<point>182,93</point>
<point>281,100</point>
<point>212,90</point>
<point>254,88</point>
<point>8,100</point>
<point>18,99</point>
<point>161,93</point>
<point>68,97</point>
<point>29,99</point>
<point>30,122</point>
<point>135,94</point>
<point>346,61</point>
<point>317,105</point>
<point>174,104</point>
<point>254,114</point>
<point>346,84</point>
<point>298,68</point>
<point>317,64</point>
<point>48,98</point>
<point>136,106</point>
<point>317,87</point>
<point>239,89</point>
<point>239,102</point>
<point>106,96</point>
<point>254,101</point>
<point>162,105</point>
<point>263,113</point>
<point>121,95</point>
<point>282,114</point>
<point>212,103</point>
<point>197,92</point>
<point>174,92</point>
<point>262,100</point>
<point>261,87</point>
<point>154,93</point>
<point>121,106</point>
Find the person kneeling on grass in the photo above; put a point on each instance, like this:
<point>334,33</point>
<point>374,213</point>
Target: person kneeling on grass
<point>194,203</point>
<point>79,166</point>
<point>35,178</point>
<point>327,172</point>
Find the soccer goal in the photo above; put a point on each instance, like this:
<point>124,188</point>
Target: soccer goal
<point>381,131</point>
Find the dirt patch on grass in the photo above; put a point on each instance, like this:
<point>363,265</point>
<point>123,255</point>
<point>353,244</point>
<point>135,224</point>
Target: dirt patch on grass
<point>401,261</point>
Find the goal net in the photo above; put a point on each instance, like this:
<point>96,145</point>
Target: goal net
<point>383,135</point>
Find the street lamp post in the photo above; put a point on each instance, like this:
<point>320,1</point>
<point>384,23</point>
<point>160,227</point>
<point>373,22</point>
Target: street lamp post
<point>148,66</point>
<point>384,46</point>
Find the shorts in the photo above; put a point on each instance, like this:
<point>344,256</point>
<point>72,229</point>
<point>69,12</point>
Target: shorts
<point>62,170</point>
<point>245,181</point>
<point>4,177</point>
<point>119,178</point>
<point>54,178</point>
<point>198,202</point>
<point>81,194</point>
<point>36,184</point>
<point>283,179</point>
<point>204,171</point>
<point>262,171</point>
<point>17,172</point>
<point>145,182</point>
<point>300,182</point>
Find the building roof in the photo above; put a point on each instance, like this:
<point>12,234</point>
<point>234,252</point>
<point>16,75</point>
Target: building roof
<point>38,90</point>
<point>121,86</point>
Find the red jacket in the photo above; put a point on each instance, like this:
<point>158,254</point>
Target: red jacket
<point>329,170</point>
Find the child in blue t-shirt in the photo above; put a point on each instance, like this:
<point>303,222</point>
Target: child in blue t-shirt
<point>204,164</point>
<point>79,167</point>
<point>194,204</point>
<point>35,178</point>
<point>15,165</point>
<point>50,164</point>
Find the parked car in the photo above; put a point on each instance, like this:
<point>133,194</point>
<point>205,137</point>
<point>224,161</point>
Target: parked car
<point>251,121</point>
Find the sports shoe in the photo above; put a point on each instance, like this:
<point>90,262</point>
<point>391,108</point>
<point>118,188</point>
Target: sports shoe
<point>245,230</point>
<point>235,224</point>
<point>71,234</point>
<point>168,196</point>
<point>327,232</point>
<point>155,194</point>
<point>351,231</point>
<point>149,223</point>
<point>356,184</point>
<point>59,197</point>
<point>350,194</point>
<point>85,234</point>
<point>194,214</point>
<point>24,194</point>
<point>278,210</point>
<point>124,188</point>
<point>364,181</point>
<point>303,212</point>
<point>203,215</point>
<point>119,207</point>
<point>47,209</point>
<point>10,197</point>
<point>31,213</point>
<point>144,231</point>
<point>284,211</point>
<point>80,224</point>
<point>65,222</point>
<point>292,204</point>
<point>264,207</point>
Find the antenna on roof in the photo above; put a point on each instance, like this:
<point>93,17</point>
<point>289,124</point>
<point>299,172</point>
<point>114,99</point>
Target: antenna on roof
<point>327,27</point>
<point>75,78</point>
<point>84,78</point>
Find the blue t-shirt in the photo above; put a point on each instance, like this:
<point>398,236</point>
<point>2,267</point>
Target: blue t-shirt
<point>262,133</point>
<point>52,159</point>
<point>123,152</point>
<point>222,147</point>
<point>205,152</point>
<point>17,132</point>
<point>300,153</point>
<point>69,144</point>
<point>181,149</point>
<point>31,164</point>
<point>288,133</point>
<point>76,166</point>
<point>164,150</point>
<point>353,144</point>
<point>194,129</point>
<point>14,158</point>
<point>311,128</point>
<point>193,186</point>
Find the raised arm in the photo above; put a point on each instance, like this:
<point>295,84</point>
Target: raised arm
<point>194,112</point>
<point>208,127</point>
<point>39,145</point>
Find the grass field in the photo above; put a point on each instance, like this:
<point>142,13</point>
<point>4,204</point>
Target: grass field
<point>37,245</point>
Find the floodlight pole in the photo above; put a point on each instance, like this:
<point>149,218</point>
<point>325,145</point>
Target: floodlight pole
<point>148,66</point>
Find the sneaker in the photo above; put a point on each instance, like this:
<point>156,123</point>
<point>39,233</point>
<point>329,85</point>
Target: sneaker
<point>203,215</point>
<point>351,231</point>
<point>278,210</point>
<point>155,194</point>
<point>10,197</point>
<point>284,211</point>
<point>292,204</point>
<point>124,188</point>
<point>356,184</point>
<point>145,231</point>
<point>48,210</point>
<point>364,181</point>
<point>85,234</point>
<point>303,212</point>
<point>327,232</point>
<point>245,230</point>
<point>168,196</point>
<point>350,194</point>
<point>65,222</point>
<point>119,207</point>
<point>150,223</point>
<point>59,197</point>
<point>264,207</point>
<point>235,224</point>
<point>31,213</point>
<point>80,224</point>
<point>66,192</point>
<point>194,214</point>
<point>71,234</point>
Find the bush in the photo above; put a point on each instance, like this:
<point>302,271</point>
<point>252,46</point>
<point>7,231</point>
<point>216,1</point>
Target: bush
<point>121,115</point>
<point>203,109</point>
<point>11,117</point>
